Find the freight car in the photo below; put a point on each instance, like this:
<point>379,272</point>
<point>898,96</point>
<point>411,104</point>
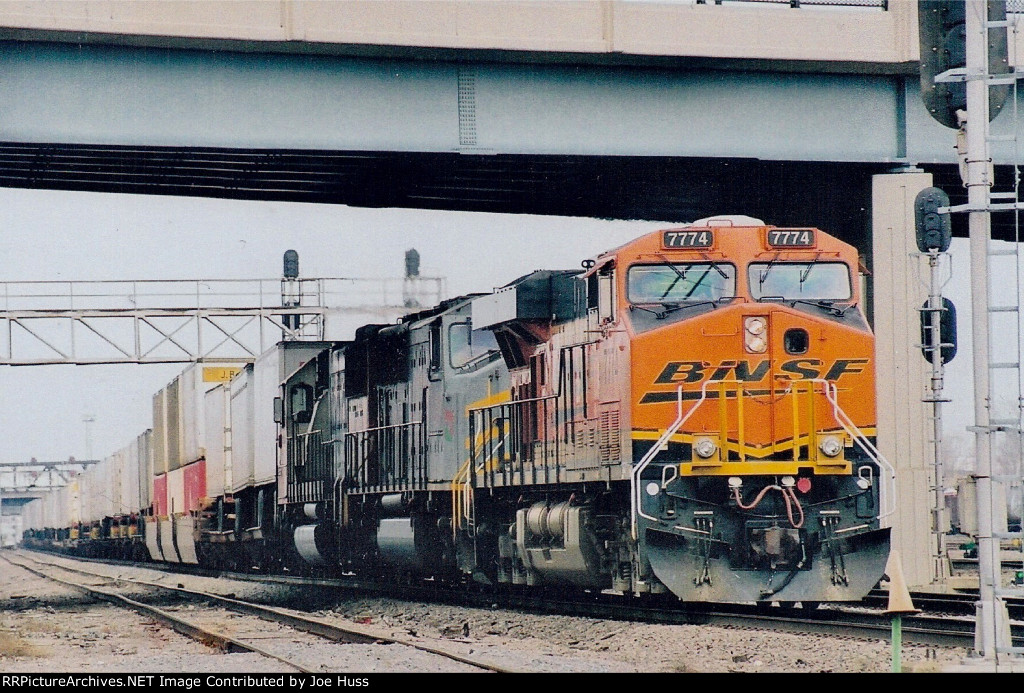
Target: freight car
<point>691,412</point>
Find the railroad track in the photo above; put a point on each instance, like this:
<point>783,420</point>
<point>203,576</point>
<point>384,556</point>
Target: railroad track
<point>864,621</point>
<point>962,603</point>
<point>291,623</point>
<point>1007,563</point>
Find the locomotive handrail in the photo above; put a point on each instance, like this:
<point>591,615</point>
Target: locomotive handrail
<point>396,442</point>
<point>514,407</point>
<point>382,428</point>
<point>462,489</point>
<point>508,402</point>
<point>634,481</point>
<point>829,389</point>
<point>831,392</point>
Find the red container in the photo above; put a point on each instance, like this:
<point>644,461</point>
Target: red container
<point>160,495</point>
<point>195,485</point>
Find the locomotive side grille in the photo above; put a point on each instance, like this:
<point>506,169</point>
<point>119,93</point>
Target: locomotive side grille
<point>610,434</point>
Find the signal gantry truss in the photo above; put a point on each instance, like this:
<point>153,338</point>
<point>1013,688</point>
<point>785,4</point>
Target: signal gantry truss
<point>180,321</point>
<point>30,479</point>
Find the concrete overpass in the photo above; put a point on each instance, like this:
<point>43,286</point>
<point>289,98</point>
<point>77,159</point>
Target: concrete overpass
<point>800,113</point>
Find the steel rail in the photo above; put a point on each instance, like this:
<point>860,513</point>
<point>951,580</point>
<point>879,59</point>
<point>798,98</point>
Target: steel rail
<point>325,629</point>
<point>855,621</point>
<point>204,635</point>
<point>964,603</point>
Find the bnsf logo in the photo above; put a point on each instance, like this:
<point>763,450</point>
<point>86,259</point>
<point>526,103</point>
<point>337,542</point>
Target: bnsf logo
<point>698,371</point>
<point>798,369</point>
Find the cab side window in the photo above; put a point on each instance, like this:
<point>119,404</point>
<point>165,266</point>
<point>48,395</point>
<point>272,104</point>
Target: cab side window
<point>466,345</point>
<point>434,351</point>
<point>606,294</point>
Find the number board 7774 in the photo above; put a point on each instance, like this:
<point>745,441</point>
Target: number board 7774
<point>684,238</point>
<point>791,238</point>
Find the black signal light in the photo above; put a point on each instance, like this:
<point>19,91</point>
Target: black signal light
<point>934,229</point>
<point>947,331</point>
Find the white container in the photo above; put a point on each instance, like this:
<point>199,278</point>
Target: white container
<point>142,459</point>
<point>176,492</point>
<point>49,515</point>
<point>241,413</point>
<point>53,516</point>
<point>85,484</point>
<point>118,494</point>
<point>32,514</point>
<point>267,381</point>
<point>71,502</point>
<point>129,464</point>
<point>105,488</point>
<point>217,442</point>
<point>11,527</point>
<point>179,421</point>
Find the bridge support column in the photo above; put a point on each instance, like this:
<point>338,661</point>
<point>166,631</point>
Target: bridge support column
<point>899,288</point>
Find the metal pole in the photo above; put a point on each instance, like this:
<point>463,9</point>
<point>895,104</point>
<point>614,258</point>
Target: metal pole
<point>990,609</point>
<point>88,420</point>
<point>935,341</point>
<point>897,643</point>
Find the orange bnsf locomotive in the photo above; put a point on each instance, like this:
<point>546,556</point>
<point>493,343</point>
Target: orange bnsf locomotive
<point>692,413</point>
<point>704,425</point>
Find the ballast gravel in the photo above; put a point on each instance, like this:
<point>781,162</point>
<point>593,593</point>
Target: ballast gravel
<point>46,627</point>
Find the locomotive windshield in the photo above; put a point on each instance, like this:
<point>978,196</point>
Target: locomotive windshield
<point>677,283</point>
<point>808,281</point>
<point>466,345</point>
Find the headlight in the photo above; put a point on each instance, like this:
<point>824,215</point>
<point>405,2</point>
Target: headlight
<point>705,447</point>
<point>755,334</point>
<point>831,446</point>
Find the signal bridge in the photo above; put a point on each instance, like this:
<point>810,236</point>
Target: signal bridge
<point>30,479</point>
<point>179,321</point>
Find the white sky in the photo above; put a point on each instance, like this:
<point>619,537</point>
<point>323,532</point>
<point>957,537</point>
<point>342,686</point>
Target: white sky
<point>91,236</point>
<point>1004,344</point>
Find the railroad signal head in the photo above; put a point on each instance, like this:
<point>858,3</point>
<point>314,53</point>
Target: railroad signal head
<point>934,229</point>
<point>291,264</point>
<point>947,331</point>
<point>943,44</point>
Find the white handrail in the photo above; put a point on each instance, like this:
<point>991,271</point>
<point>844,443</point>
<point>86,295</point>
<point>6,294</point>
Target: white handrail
<point>886,492</point>
<point>831,392</point>
<point>650,454</point>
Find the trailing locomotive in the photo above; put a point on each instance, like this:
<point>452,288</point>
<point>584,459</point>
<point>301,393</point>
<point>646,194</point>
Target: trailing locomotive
<point>693,412</point>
